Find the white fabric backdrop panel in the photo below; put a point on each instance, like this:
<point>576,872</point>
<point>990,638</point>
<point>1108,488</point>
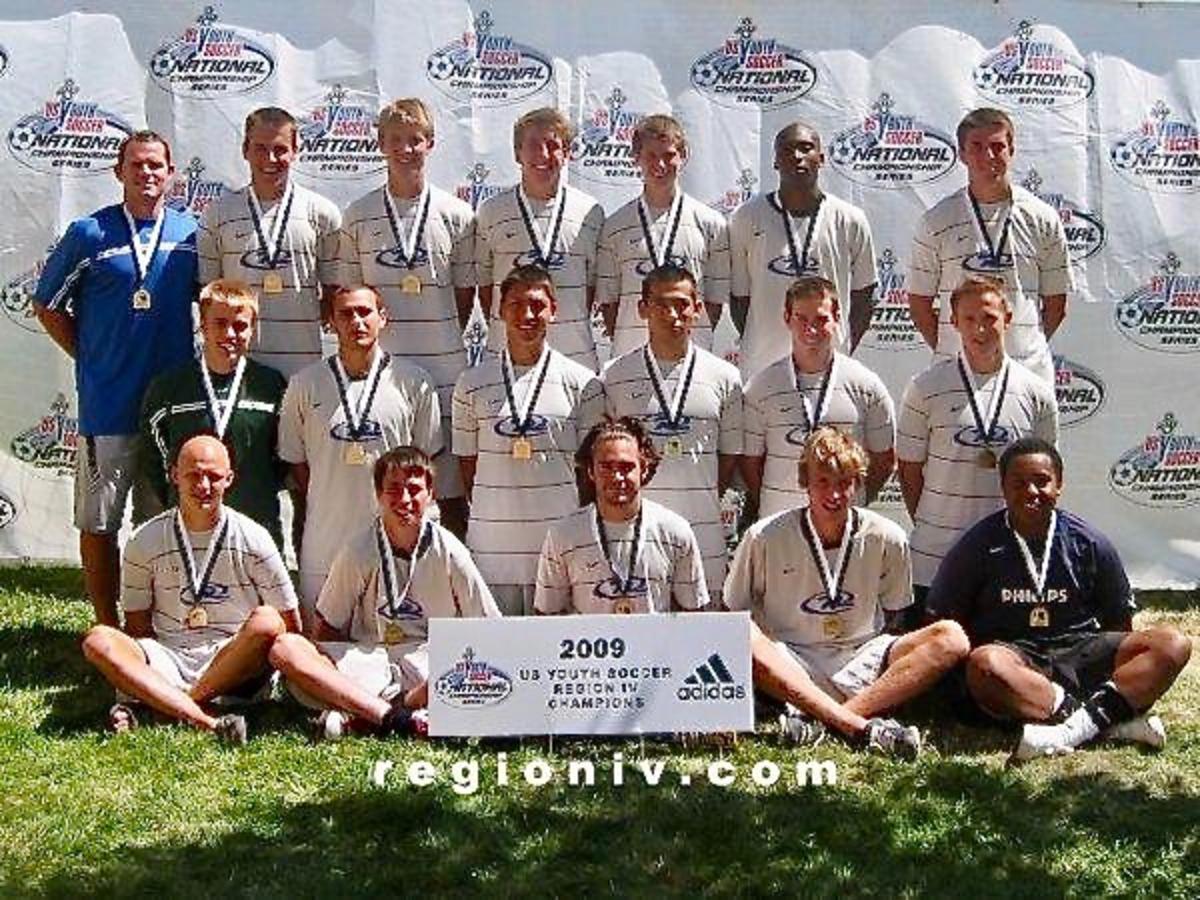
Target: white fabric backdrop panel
<point>1105,96</point>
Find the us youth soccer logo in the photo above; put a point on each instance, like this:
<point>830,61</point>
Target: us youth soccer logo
<point>338,139</point>
<point>1163,471</point>
<point>735,196</point>
<point>755,70</point>
<point>210,60</point>
<point>8,511</point>
<point>603,149</point>
<point>476,188</point>
<point>891,323</point>
<point>711,680</point>
<point>1085,230</point>
<point>1164,313</point>
<point>891,150</point>
<point>69,136</point>
<point>49,446</point>
<point>1162,154</point>
<point>16,297</point>
<point>821,604</point>
<point>472,683</point>
<point>1024,72</point>
<point>488,68</point>
<point>191,192</point>
<point>1079,391</point>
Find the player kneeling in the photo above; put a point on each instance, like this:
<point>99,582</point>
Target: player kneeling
<point>823,581</point>
<point>367,665</point>
<point>1049,611</point>
<point>205,593</point>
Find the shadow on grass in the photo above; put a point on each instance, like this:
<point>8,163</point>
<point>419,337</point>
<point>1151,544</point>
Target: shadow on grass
<point>64,582</point>
<point>1014,840</point>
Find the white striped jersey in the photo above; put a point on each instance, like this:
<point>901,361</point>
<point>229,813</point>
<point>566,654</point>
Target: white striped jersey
<point>501,242</point>
<point>313,430</point>
<point>776,425</point>
<point>711,425</point>
<point>515,501</point>
<point>947,235</point>
<point>701,246</point>
<point>776,578</point>
<point>423,328</point>
<point>445,585</point>
<point>761,267</point>
<point>575,577</point>
<point>937,428</point>
<point>248,572</point>
<point>289,323</point>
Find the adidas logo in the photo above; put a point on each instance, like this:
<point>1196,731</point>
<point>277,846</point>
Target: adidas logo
<point>711,681</point>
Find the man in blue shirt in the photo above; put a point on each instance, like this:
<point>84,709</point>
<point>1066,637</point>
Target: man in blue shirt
<point>116,295</point>
<point>1044,599</point>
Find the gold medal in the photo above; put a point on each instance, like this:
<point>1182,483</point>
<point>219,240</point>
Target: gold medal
<point>410,284</point>
<point>623,607</point>
<point>393,633</point>
<point>1039,617</point>
<point>986,458</point>
<point>141,299</point>
<point>832,627</point>
<point>673,447</point>
<point>355,454</point>
<point>522,448</point>
<point>273,283</point>
<point>197,617</point>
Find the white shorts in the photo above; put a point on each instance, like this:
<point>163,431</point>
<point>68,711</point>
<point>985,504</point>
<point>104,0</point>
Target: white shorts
<point>385,672</point>
<point>105,471</point>
<point>842,677</point>
<point>182,667</point>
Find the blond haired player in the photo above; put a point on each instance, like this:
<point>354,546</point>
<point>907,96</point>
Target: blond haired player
<point>415,244</point>
<point>823,582</point>
<point>543,221</point>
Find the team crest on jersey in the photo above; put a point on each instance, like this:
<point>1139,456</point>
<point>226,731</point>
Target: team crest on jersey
<point>891,323</point>
<point>1164,313</point>
<point>507,428</point>
<point>556,260</point>
<point>646,266</point>
<point>476,189</point>
<point>614,588</point>
<point>1162,154</point>
<point>191,192</point>
<point>390,258</point>
<point>742,190</point>
<point>660,425</point>
<point>369,430</point>
<point>16,296</point>
<point>338,138</point>
<point>1024,72</point>
<point>821,604</point>
<point>472,683</point>
<point>892,150</point>
<point>49,445</point>
<point>1080,392</point>
<point>1163,471</point>
<point>786,266</point>
<point>747,69</point>
<point>1085,230</point>
<point>488,68</point>
<point>257,258</point>
<point>970,436</point>
<point>68,136</point>
<point>603,149</point>
<point>210,60</point>
<point>8,511</point>
<point>406,610</point>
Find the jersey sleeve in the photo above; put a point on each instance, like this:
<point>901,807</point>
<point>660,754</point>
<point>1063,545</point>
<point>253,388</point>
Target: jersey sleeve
<point>1054,262</point>
<point>593,224</point>
<point>591,406</point>
<point>716,262</point>
<point>471,591</point>
<point>208,245</point>
<point>152,450</point>
<point>462,252</point>
<point>552,593</point>
<point>484,255</point>
<point>291,423</point>
<point>754,418</point>
<point>427,419</point>
<point>1112,597</point>
<point>924,265</point>
<point>347,267</point>
<point>62,272</point>
<point>269,573</point>
<point>741,235</point>
<point>912,432</point>
<point>341,591</point>
<point>608,288</point>
<point>879,425</point>
<point>689,590</point>
<point>743,584</point>
<point>895,581</point>
<point>137,575</point>
<point>729,440</point>
<point>958,581</point>
<point>329,224</point>
<point>464,427</point>
<point>863,273</point>
<point>1045,425</point>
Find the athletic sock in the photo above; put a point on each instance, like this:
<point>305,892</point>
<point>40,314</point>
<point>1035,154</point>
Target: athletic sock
<point>1063,705</point>
<point>1107,707</point>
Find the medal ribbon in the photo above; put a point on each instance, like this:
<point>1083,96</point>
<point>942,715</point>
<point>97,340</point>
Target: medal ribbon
<point>832,588</point>
<point>812,420</point>
<point>799,261</point>
<point>994,251</point>
<point>521,420</point>
<point>407,244</point>
<point>1037,575</point>
<point>219,413</point>
<point>273,246</point>
<point>387,566</point>
<point>356,418</point>
<point>199,585</point>
<point>673,218</point>
<point>997,400</point>
<point>635,551</point>
<point>543,249</point>
<point>143,254</point>
<point>674,410</point>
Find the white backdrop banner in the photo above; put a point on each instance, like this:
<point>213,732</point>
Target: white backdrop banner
<point>1105,95</point>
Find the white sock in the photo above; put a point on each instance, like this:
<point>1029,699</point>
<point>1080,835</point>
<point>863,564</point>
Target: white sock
<point>1079,728</point>
<point>1059,697</point>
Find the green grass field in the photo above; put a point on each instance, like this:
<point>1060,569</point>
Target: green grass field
<point>165,811</point>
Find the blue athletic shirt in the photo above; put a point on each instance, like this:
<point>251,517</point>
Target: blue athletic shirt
<point>91,275</point>
<point>983,584</point>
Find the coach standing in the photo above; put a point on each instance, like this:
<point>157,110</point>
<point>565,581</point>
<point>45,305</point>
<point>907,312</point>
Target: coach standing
<point>116,294</point>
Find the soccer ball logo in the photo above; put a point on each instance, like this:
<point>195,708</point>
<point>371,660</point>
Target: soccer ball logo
<point>842,150</point>
<point>1130,314</point>
<point>985,77</point>
<point>440,67</point>
<point>22,135</point>
<point>705,73</point>
<point>1124,473</point>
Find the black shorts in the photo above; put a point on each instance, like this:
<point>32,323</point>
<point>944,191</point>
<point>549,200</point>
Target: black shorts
<point>1080,663</point>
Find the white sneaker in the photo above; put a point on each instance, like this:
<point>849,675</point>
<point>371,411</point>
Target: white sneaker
<point>1148,730</point>
<point>329,726</point>
<point>1041,740</point>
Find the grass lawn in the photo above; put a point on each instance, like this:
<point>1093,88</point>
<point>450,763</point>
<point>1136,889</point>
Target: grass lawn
<point>165,811</point>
